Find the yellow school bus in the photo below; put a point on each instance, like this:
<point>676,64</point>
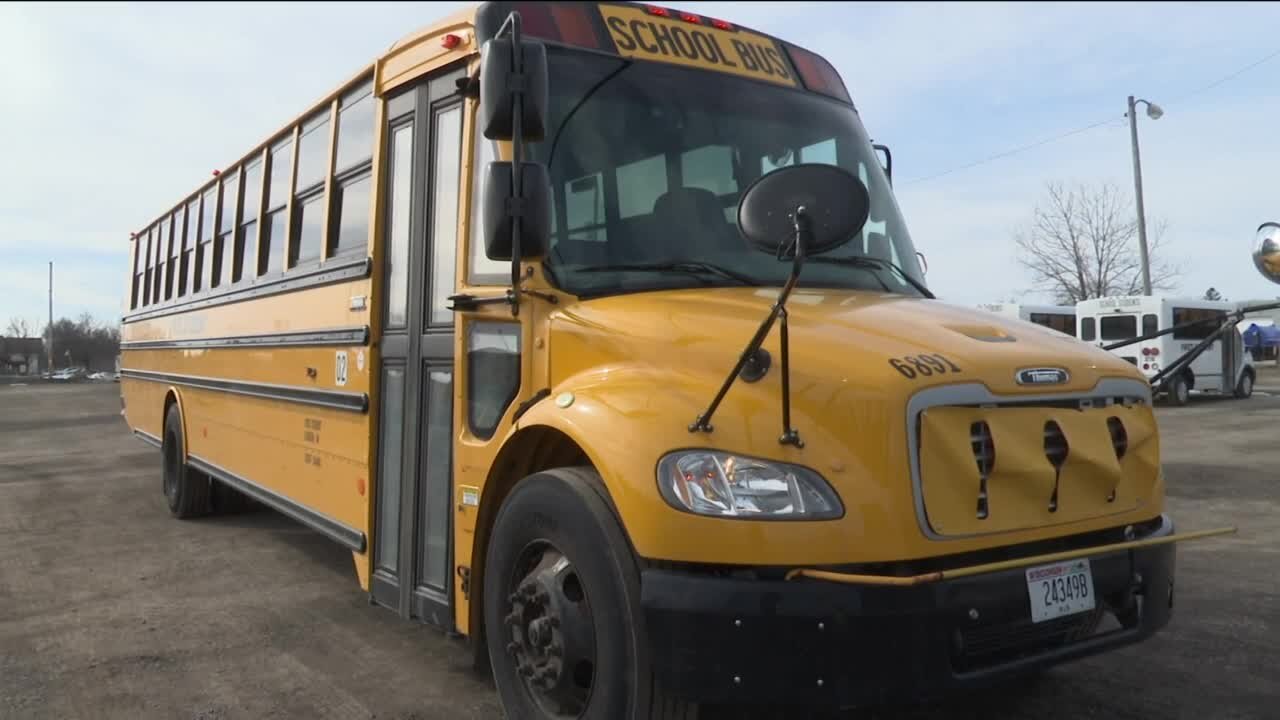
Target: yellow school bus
<point>595,333</point>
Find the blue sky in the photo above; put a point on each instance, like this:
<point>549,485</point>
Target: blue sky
<point>113,112</point>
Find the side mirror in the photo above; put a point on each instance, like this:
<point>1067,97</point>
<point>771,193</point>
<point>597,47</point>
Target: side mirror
<point>1266,251</point>
<point>836,204</point>
<point>534,209</point>
<point>504,73</point>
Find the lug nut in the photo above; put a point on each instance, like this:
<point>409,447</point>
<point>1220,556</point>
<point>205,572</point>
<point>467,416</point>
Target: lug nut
<point>513,648</point>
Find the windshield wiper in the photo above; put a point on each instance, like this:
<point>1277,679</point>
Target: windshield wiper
<point>687,266</point>
<point>873,263</point>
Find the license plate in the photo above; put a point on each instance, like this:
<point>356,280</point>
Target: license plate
<point>1064,588</point>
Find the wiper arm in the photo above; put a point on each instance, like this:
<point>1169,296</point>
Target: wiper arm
<point>874,263</point>
<point>690,267</point>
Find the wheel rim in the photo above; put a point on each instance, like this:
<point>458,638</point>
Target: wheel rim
<point>550,631</point>
<point>1247,385</point>
<point>1182,391</point>
<point>171,469</point>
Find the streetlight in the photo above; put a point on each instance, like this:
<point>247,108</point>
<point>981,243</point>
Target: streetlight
<point>1154,112</point>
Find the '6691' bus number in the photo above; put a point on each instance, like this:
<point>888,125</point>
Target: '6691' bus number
<point>912,366</point>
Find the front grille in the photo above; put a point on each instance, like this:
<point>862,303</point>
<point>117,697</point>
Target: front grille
<point>985,646</point>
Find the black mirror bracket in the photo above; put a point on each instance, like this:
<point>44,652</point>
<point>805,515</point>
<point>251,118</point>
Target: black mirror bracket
<point>796,248</point>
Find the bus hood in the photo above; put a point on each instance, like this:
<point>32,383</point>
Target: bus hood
<point>841,337</point>
<point>886,393</point>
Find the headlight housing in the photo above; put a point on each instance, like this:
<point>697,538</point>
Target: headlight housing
<point>711,482</point>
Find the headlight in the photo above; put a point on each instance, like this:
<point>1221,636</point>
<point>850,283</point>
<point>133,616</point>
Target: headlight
<point>708,482</point>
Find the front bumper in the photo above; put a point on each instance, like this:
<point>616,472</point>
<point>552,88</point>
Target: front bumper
<point>726,640</point>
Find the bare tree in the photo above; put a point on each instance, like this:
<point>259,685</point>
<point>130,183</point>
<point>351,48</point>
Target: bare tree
<point>1083,243</point>
<point>18,328</point>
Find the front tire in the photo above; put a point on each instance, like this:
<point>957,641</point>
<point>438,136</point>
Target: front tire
<point>186,491</point>
<point>1244,388</point>
<point>562,614</point>
<point>1179,391</point>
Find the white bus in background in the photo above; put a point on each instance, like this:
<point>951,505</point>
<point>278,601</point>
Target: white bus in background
<point>1224,367</point>
<point>1056,317</point>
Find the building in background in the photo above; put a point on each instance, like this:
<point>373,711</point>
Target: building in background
<point>21,356</point>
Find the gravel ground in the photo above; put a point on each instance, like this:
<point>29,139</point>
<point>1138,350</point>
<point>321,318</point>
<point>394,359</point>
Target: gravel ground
<point>110,609</point>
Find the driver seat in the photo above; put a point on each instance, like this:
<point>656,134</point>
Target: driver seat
<point>698,214</point>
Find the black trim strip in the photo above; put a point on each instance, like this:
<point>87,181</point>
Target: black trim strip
<point>336,399</point>
<point>339,270</point>
<point>348,536</point>
<point>147,437</point>
<point>336,336</point>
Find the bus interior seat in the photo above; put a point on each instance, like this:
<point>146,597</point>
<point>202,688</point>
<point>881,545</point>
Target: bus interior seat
<point>699,210</point>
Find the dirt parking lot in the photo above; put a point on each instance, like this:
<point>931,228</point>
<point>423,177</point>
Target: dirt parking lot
<point>110,609</point>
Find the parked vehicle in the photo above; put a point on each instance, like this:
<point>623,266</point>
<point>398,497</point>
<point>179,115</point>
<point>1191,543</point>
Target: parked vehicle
<point>1223,368</point>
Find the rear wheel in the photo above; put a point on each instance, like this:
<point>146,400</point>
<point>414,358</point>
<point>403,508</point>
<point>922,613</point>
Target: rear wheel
<point>1179,391</point>
<point>1245,387</point>
<point>562,607</point>
<point>227,500</point>
<point>185,490</point>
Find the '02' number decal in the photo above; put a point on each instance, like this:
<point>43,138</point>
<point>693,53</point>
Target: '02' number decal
<point>913,366</point>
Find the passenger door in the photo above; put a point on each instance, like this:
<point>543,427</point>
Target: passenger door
<point>412,549</point>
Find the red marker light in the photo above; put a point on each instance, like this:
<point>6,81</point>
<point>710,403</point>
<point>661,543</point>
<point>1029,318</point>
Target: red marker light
<point>450,41</point>
<point>721,25</point>
<point>1155,352</point>
<point>216,173</point>
<point>660,12</point>
<point>691,18</point>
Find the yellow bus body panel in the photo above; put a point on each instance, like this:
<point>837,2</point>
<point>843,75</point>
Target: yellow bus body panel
<point>641,367</point>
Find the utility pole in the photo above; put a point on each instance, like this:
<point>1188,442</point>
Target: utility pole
<point>49,344</point>
<point>1137,190</point>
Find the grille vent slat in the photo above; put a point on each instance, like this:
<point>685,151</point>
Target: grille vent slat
<point>1056,450</point>
<point>984,454</point>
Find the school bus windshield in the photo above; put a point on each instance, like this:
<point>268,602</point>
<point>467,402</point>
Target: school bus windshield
<point>648,161</point>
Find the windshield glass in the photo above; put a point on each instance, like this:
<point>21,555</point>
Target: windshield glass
<point>647,164</point>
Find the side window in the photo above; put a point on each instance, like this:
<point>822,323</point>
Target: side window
<point>1201,331</point>
<point>493,374</point>
<point>640,184</point>
<point>352,173</point>
<point>710,168</point>
<point>204,250</point>
<point>584,208</point>
<point>1149,324</point>
<point>190,234</point>
<point>1087,331</point>
<point>146,263</point>
<point>162,259</point>
<point>228,216</point>
<point>276,222</point>
<point>247,236</point>
<point>175,252</point>
<point>157,261</point>
<point>313,167</point>
<point>822,152</point>
<point>135,249</point>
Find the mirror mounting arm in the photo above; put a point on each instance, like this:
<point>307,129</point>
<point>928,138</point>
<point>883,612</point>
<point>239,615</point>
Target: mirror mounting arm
<point>778,313</point>
<point>518,86</point>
